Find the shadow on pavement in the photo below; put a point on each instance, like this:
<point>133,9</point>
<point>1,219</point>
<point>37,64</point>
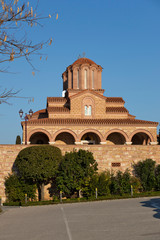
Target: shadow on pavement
<point>155,204</point>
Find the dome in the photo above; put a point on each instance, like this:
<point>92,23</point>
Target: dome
<point>84,60</point>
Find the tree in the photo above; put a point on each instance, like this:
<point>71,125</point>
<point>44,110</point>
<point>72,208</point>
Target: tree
<point>120,183</point>
<point>103,184</point>
<point>75,170</point>
<point>18,140</point>
<point>157,175</point>
<point>145,171</point>
<point>38,165</point>
<point>15,18</point>
<point>15,189</point>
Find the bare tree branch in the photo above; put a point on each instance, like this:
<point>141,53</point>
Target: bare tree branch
<point>15,17</point>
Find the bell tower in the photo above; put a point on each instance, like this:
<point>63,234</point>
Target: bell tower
<point>81,75</point>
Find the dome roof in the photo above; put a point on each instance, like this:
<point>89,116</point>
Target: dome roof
<point>83,60</point>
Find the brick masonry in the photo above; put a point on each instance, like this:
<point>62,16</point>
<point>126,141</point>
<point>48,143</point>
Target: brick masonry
<point>115,157</point>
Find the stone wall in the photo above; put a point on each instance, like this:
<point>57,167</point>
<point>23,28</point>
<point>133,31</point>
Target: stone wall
<point>115,157</point>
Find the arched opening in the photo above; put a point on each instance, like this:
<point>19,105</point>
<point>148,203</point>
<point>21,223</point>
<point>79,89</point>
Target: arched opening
<point>65,138</point>
<point>115,138</point>
<point>39,138</point>
<point>140,139</point>
<point>90,138</point>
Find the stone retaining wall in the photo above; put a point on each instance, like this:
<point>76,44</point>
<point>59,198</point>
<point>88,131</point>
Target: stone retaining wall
<point>117,157</point>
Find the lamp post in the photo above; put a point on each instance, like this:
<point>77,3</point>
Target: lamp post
<point>26,119</point>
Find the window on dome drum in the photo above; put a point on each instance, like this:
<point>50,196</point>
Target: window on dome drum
<point>78,79</point>
<point>88,110</point>
<point>85,79</point>
<point>72,79</point>
<point>92,79</point>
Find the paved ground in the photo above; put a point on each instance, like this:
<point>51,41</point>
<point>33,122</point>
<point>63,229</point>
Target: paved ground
<point>133,219</point>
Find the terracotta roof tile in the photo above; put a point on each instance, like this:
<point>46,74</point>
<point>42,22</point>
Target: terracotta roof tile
<point>56,99</point>
<point>58,109</point>
<point>40,111</point>
<point>83,60</point>
<point>70,121</point>
<point>115,99</point>
<point>116,109</point>
<point>88,91</point>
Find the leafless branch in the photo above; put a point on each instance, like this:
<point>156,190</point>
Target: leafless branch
<point>15,17</point>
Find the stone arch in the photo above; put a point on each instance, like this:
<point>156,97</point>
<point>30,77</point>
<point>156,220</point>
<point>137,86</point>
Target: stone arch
<point>117,131</point>
<point>39,130</point>
<point>91,131</point>
<point>141,137</point>
<point>68,131</point>
<point>39,138</point>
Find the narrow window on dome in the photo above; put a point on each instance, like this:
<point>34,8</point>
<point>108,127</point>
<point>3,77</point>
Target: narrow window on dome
<point>89,110</point>
<point>72,79</point>
<point>92,79</point>
<point>86,110</point>
<point>85,79</point>
<point>78,79</point>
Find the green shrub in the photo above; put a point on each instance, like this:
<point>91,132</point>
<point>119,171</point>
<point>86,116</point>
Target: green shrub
<point>103,184</point>
<point>120,183</point>
<point>136,183</point>
<point>145,171</point>
<point>16,189</point>
<point>157,175</point>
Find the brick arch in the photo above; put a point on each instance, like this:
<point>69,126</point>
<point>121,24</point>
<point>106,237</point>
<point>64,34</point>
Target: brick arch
<point>65,130</point>
<point>141,131</point>
<point>39,130</point>
<point>90,131</point>
<point>117,131</point>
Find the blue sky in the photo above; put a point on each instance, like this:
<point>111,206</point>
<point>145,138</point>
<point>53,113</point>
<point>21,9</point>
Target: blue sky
<point>123,36</point>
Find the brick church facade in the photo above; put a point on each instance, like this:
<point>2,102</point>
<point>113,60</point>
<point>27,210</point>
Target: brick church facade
<point>84,116</point>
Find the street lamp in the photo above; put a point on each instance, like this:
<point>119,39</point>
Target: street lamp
<point>26,119</point>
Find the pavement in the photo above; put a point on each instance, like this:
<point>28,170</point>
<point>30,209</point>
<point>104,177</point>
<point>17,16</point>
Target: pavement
<point>128,219</point>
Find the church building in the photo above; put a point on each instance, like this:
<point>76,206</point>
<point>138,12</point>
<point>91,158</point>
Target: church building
<point>83,115</point>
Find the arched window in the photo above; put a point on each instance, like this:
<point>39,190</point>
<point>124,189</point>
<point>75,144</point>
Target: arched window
<point>92,79</point>
<point>85,79</point>
<point>72,79</point>
<point>88,110</point>
<point>77,78</point>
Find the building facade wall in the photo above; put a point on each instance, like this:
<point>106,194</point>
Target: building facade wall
<point>110,158</point>
<point>128,131</point>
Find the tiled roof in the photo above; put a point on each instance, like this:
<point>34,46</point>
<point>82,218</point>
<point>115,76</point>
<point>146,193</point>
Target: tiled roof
<point>116,109</point>
<point>88,91</point>
<point>57,109</point>
<point>83,60</point>
<point>114,99</point>
<point>56,99</point>
<point>40,111</point>
<point>70,121</point>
